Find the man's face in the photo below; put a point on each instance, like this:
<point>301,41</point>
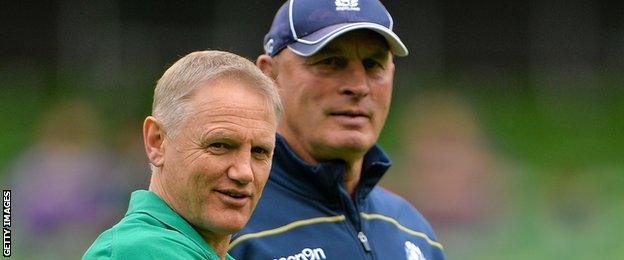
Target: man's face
<point>337,100</point>
<point>214,170</point>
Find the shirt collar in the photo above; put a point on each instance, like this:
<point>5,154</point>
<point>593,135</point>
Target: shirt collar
<point>147,202</point>
<point>321,181</point>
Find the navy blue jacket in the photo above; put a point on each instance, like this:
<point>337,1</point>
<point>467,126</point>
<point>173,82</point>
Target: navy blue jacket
<point>305,213</point>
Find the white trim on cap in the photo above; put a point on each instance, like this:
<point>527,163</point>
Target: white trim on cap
<point>357,25</point>
<point>297,52</point>
<point>386,33</point>
<point>290,20</point>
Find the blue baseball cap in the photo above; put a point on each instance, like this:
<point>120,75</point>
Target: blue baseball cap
<point>306,26</point>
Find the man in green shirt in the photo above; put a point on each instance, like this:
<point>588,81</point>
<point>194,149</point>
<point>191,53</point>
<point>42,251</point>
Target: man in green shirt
<point>210,142</point>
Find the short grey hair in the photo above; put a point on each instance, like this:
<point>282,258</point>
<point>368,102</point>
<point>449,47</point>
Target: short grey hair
<point>178,83</point>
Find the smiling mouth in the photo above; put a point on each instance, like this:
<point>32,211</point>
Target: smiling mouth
<point>235,194</point>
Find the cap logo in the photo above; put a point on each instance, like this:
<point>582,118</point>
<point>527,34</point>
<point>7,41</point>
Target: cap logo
<point>347,5</point>
<point>268,46</point>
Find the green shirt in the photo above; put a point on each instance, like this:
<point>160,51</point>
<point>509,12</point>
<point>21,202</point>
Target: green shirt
<point>150,230</point>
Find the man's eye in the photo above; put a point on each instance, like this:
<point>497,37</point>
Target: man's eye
<point>372,64</point>
<point>259,151</point>
<point>332,62</point>
<point>218,148</point>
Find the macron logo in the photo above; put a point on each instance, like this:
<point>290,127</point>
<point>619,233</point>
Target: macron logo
<point>268,46</point>
<point>412,252</point>
<point>306,254</point>
<point>347,5</point>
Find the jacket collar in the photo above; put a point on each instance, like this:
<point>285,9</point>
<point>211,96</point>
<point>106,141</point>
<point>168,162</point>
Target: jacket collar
<point>323,180</point>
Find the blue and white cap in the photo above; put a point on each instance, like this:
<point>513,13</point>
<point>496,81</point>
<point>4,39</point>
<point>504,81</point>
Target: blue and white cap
<point>306,26</point>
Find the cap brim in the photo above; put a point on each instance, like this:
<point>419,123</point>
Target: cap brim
<point>310,44</point>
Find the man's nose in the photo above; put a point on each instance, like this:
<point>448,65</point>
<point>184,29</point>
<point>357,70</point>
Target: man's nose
<point>240,171</point>
<point>355,82</point>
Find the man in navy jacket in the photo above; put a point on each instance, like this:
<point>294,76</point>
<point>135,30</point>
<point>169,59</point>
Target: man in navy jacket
<point>332,61</point>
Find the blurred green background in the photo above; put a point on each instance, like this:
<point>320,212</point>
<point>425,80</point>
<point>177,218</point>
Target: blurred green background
<point>505,128</point>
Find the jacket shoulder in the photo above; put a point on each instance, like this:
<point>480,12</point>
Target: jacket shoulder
<point>142,237</point>
<point>384,203</point>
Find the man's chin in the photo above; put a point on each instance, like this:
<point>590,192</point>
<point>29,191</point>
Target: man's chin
<point>350,141</point>
<point>226,223</point>
<point>227,228</point>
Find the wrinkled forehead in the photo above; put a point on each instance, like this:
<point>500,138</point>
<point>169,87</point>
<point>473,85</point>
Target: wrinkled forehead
<point>227,95</point>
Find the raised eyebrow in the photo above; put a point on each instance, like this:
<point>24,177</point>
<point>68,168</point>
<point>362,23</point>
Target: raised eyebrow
<point>380,55</point>
<point>265,144</point>
<point>219,135</point>
<point>230,142</point>
<point>327,50</point>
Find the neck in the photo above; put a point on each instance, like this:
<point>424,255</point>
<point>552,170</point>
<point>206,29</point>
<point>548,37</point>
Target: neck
<point>352,175</point>
<point>353,163</point>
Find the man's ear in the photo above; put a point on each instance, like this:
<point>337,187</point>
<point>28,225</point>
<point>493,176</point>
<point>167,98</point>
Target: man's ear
<point>268,65</point>
<point>153,139</point>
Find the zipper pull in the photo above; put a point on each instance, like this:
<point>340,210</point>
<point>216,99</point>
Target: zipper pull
<point>364,241</point>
